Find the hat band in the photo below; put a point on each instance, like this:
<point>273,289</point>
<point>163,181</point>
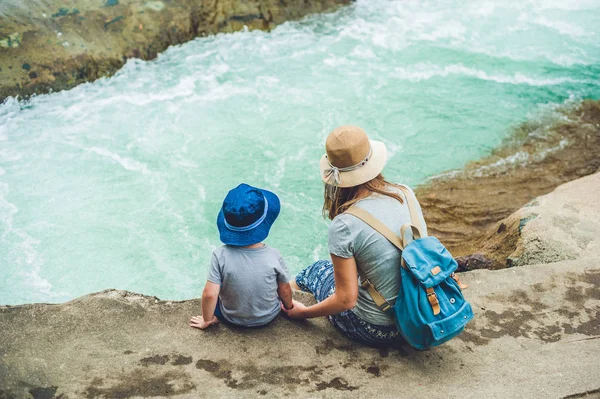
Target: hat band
<point>333,173</point>
<point>253,225</point>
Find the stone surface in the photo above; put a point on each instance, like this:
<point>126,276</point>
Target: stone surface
<point>558,226</point>
<point>464,207</point>
<point>535,334</point>
<point>51,45</point>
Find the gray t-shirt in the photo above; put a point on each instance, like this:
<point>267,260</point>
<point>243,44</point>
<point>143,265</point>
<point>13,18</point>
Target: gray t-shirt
<point>249,280</point>
<point>374,254</point>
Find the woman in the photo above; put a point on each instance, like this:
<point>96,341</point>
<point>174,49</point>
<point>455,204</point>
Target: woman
<point>351,170</point>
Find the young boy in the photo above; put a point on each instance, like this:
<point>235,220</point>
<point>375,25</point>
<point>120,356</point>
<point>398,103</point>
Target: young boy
<point>247,279</point>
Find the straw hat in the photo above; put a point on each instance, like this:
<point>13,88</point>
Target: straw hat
<point>351,158</point>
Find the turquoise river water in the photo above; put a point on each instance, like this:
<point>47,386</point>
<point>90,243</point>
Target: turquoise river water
<point>117,183</point>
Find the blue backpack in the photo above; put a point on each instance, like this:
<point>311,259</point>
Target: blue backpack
<point>430,308</point>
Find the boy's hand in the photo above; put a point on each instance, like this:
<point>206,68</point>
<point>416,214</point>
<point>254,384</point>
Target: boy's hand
<point>198,322</point>
<point>296,311</point>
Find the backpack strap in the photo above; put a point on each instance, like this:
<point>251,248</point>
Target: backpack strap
<point>369,219</point>
<point>461,285</point>
<point>376,225</point>
<point>379,300</point>
<point>414,208</point>
<point>416,234</point>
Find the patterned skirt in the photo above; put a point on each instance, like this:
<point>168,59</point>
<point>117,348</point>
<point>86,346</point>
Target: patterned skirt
<point>318,280</point>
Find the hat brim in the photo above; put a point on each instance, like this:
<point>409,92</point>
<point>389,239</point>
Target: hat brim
<point>257,234</point>
<point>365,173</point>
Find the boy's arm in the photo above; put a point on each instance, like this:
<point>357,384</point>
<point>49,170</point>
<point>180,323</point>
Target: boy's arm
<point>284,290</point>
<point>210,295</point>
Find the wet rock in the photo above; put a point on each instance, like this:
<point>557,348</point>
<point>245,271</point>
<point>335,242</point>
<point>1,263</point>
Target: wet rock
<point>154,5</point>
<point>473,262</point>
<point>118,344</point>
<point>61,12</point>
<point>60,40</point>
<point>466,209</point>
<point>113,20</point>
<point>43,392</point>
<point>557,226</point>
<point>501,228</point>
<point>524,222</point>
<point>11,41</point>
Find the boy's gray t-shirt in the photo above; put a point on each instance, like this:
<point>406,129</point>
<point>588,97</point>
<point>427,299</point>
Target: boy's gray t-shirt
<point>249,280</point>
<point>374,254</point>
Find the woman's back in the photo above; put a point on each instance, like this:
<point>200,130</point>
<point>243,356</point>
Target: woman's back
<point>374,254</point>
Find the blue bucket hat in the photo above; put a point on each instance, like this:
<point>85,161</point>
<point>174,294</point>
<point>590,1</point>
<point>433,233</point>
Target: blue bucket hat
<point>247,215</point>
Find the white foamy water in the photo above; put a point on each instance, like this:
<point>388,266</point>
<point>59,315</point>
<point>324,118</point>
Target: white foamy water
<point>117,183</point>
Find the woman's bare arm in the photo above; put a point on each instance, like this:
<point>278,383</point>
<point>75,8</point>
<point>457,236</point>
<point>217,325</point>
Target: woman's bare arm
<point>344,298</point>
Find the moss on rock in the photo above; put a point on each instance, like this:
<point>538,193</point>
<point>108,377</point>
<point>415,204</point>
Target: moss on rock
<point>66,45</point>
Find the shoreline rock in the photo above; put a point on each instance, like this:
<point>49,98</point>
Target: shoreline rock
<point>465,208</point>
<point>53,45</point>
<point>531,324</point>
<point>554,227</point>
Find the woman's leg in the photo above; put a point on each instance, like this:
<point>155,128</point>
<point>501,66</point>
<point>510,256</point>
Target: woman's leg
<point>318,279</point>
<point>360,330</point>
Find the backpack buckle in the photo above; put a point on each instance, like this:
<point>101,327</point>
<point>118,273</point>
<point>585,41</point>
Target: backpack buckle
<point>386,307</point>
<point>366,283</point>
<point>432,297</point>
<point>433,301</point>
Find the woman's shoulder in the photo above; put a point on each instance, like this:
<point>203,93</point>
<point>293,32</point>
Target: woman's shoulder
<point>378,199</point>
<point>374,203</point>
<point>340,224</point>
<point>340,220</point>
<point>400,189</point>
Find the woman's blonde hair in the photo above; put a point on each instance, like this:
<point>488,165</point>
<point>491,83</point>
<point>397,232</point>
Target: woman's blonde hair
<point>339,199</point>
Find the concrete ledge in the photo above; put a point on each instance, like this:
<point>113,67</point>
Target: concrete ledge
<point>535,334</point>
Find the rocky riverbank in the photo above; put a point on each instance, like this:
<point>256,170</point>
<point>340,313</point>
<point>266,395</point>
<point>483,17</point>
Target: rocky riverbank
<point>536,328</point>
<point>465,208</point>
<point>52,45</point>
<point>535,334</point>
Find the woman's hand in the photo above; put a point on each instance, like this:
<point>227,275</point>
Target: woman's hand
<point>199,322</point>
<point>296,311</point>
